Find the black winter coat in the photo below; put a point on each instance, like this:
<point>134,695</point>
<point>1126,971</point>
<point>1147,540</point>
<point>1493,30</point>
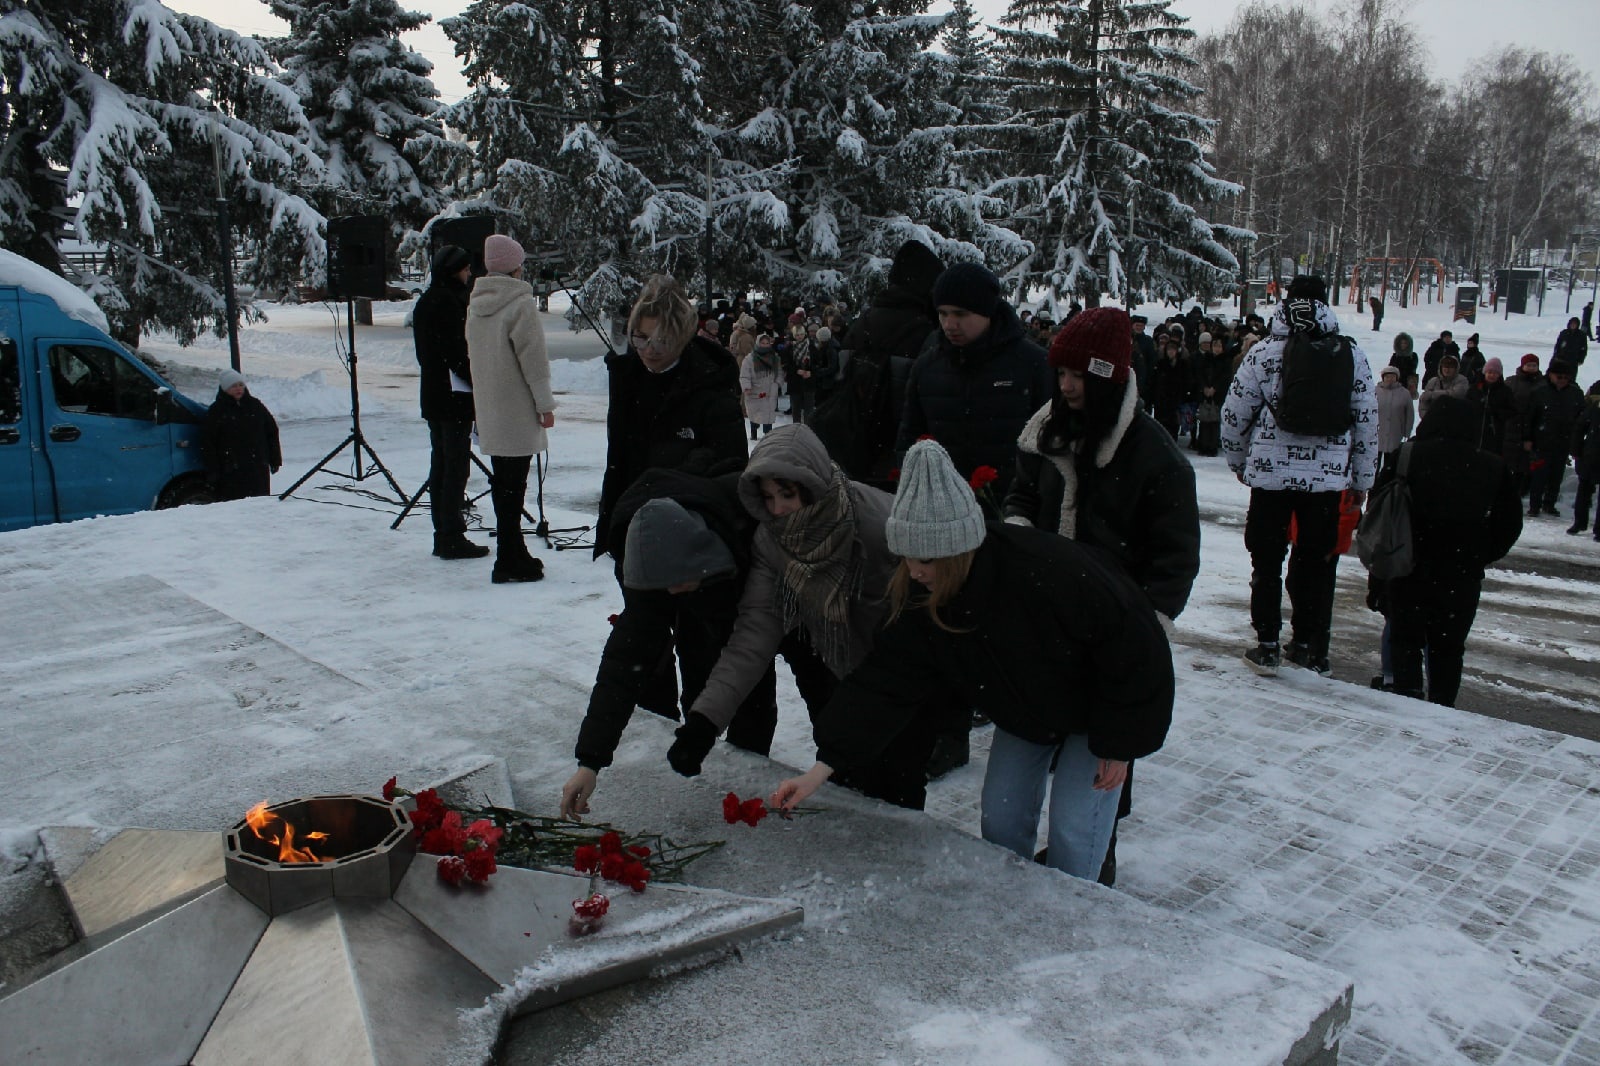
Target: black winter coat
<point>1572,345</point>
<point>239,442</point>
<point>652,621</point>
<point>1171,387</point>
<point>1498,426</point>
<point>1133,496</point>
<point>975,400</point>
<point>686,419</point>
<point>1465,510</point>
<point>1552,414</point>
<point>439,330</point>
<point>1054,639</point>
<point>1585,445</point>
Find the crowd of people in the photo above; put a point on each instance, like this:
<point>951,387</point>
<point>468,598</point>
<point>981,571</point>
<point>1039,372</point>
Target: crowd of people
<point>974,516</point>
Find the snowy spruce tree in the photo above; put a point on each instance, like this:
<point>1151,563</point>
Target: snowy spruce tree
<point>371,107</point>
<point>592,139</point>
<point>111,115</point>
<point>1109,179</point>
<point>854,107</point>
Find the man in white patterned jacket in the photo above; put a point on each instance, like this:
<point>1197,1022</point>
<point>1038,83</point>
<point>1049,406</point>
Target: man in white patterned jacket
<point>1295,476</point>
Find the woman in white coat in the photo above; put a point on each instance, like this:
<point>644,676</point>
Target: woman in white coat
<point>760,378</point>
<point>511,395</point>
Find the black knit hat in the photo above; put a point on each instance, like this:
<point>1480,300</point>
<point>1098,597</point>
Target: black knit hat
<point>968,285</point>
<point>915,267</point>
<point>449,259</point>
<point>1308,287</point>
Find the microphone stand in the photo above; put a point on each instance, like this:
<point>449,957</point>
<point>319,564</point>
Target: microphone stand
<point>569,537</point>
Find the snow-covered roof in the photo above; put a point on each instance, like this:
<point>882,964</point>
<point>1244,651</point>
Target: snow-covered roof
<point>26,274</point>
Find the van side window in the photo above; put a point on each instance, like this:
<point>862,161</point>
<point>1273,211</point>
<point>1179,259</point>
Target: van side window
<point>98,381</point>
<point>10,383</point>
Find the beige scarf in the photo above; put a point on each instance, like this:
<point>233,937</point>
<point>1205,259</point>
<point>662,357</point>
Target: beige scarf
<point>821,571</point>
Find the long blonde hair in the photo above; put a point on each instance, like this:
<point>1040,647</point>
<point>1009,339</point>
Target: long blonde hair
<point>949,575</point>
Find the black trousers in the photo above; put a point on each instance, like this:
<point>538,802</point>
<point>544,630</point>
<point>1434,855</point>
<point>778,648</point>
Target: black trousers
<point>1544,485</point>
<point>1433,612</point>
<point>1312,570</point>
<point>451,441</point>
<point>508,484</point>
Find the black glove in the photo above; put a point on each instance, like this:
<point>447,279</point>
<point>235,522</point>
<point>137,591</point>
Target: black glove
<point>695,739</point>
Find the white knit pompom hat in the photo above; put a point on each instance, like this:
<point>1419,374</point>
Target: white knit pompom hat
<point>935,515</point>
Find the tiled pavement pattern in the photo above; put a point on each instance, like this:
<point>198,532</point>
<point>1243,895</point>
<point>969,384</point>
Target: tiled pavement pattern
<point>1445,861</point>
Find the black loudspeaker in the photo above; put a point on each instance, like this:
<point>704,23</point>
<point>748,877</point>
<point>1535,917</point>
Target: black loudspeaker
<point>357,260</point>
<point>467,233</point>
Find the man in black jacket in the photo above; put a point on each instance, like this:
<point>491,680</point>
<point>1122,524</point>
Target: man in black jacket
<point>1465,514</point>
<point>1553,410</point>
<point>978,388</point>
<point>439,329</point>
<point>1445,345</point>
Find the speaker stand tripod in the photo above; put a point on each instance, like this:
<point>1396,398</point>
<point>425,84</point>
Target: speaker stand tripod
<point>356,438</point>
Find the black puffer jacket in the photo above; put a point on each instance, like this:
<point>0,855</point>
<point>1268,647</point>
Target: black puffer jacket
<point>685,419</point>
<point>1465,511</point>
<point>975,400</point>
<point>1585,442</point>
<point>642,633</point>
<point>439,330</point>
<point>1552,413</point>
<point>1131,494</point>
<point>239,441</point>
<point>1054,640</point>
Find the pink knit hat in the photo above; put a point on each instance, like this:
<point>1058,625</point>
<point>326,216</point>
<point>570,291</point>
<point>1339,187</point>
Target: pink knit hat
<point>502,255</point>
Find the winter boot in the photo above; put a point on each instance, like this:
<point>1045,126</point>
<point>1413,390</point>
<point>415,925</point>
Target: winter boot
<point>950,750</point>
<point>1263,659</point>
<point>517,568</point>
<point>458,547</point>
<point>1108,868</point>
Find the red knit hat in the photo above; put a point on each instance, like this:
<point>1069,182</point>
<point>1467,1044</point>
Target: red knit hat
<point>1098,341</point>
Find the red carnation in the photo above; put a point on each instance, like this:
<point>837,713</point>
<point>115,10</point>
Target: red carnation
<point>479,864</point>
<point>592,909</point>
<point>430,811</point>
<point>586,859</point>
<point>730,809</point>
<point>634,875</point>
<point>388,789</point>
<point>486,832</point>
<point>612,865</point>
<point>982,477</point>
<point>639,851</point>
<point>610,843</point>
<point>752,811</point>
<point>452,868</point>
<point>612,618</point>
<point>926,436</point>
<point>446,838</point>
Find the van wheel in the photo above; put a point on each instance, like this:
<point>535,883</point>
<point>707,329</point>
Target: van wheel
<point>183,493</point>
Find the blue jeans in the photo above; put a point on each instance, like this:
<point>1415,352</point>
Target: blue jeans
<point>1081,817</point>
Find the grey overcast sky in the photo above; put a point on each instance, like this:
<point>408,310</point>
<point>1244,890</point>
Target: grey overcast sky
<point>1458,33</point>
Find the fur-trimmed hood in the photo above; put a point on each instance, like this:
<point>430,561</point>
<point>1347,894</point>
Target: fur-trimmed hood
<point>1028,442</point>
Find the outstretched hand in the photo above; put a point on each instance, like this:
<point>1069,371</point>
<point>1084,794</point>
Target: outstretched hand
<point>796,790</point>
<point>576,792</point>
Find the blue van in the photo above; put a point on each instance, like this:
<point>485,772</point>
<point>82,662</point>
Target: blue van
<point>85,427</point>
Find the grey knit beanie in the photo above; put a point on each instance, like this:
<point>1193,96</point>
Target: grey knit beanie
<point>935,515</point>
<point>668,544</point>
<point>229,378</point>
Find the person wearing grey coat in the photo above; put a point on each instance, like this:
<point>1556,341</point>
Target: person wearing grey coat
<point>1396,413</point>
<point>1449,381</point>
<point>820,568</point>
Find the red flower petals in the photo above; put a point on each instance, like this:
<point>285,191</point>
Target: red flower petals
<point>592,909</point>
<point>982,477</point>
<point>388,789</point>
<point>731,812</point>
<point>452,868</point>
<point>586,859</point>
<point>735,810</point>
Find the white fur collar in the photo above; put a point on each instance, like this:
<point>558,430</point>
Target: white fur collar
<point>1028,442</point>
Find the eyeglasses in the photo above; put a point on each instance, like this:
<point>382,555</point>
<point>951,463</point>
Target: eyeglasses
<point>640,342</point>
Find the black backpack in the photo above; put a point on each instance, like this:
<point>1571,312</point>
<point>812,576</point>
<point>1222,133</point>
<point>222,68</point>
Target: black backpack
<point>1383,539</point>
<point>1318,373</point>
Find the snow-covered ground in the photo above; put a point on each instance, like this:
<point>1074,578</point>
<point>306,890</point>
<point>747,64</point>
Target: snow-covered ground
<point>1355,829</point>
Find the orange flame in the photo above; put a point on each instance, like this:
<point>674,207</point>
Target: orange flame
<point>269,827</point>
